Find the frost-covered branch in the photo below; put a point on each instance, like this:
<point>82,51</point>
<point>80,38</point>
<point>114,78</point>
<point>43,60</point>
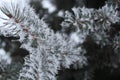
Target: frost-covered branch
<point>90,21</point>
<point>91,28</point>
<point>48,50</point>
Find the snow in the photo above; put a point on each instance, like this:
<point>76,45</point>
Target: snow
<point>4,57</point>
<point>75,37</point>
<point>48,5</point>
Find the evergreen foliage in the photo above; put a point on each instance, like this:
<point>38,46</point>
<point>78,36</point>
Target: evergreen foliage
<point>88,40</point>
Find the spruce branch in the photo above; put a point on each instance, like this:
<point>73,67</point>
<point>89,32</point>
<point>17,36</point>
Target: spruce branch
<point>91,21</point>
<point>90,29</point>
<point>48,50</point>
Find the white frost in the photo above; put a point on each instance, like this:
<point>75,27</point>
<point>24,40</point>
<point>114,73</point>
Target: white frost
<point>4,57</point>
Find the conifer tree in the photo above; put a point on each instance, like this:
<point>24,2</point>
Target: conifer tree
<point>88,38</point>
